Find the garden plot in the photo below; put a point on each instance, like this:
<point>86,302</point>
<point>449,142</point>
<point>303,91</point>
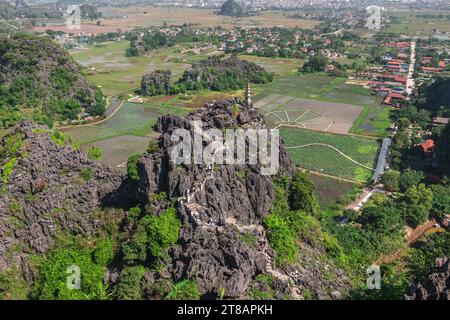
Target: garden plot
<point>289,111</point>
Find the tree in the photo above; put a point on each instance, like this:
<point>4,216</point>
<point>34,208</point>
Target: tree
<point>409,178</point>
<point>385,219</point>
<point>390,179</point>
<point>441,200</point>
<point>416,205</point>
<point>316,63</point>
<point>301,194</point>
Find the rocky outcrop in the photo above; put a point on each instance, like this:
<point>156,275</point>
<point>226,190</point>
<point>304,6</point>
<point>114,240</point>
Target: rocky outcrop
<point>51,189</point>
<point>437,285</point>
<point>47,78</point>
<point>219,74</point>
<point>231,8</point>
<point>156,83</point>
<point>220,206</point>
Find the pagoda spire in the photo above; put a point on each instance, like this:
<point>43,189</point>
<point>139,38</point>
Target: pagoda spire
<point>248,96</point>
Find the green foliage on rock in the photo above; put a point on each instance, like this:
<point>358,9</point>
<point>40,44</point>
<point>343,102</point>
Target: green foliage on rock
<point>184,290</point>
<point>86,174</point>
<point>301,194</point>
<point>95,153</point>
<point>12,285</point>
<point>59,138</point>
<point>152,235</point>
<point>55,271</point>
<point>129,286</point>
<point>163,231</point>
<point>281,239</point>
<point>40,77</point>
<point>103,253</point>
<point>132,169</point>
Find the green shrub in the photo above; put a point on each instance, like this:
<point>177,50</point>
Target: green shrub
<point>301,194</point>
<point>86,174</point>
<point>53,275</point>
<point>132,169</point>
<point>136,248</point>
<point>8,170</point>
<point>103,253</point>
<point>281,239</point>
<point>163,231</point>
<point>184,290</point>
<point>59,138</point>
<point>12,285</point>
<point>129,286</point>
<point>153,147</point>
<point>133,214</point>
<point>95,153</point>
<point>162,196</point>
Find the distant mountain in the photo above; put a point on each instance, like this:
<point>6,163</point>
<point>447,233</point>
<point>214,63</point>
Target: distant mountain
<point>39,80</point>
<point>232,8</point>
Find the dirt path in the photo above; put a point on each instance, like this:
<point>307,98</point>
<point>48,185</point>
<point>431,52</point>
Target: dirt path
<point>412,235</point>
<point>107,108</point>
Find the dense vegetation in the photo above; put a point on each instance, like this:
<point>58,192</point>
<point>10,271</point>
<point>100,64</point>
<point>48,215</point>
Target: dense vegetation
<point>39,80</point>
<point>213,73</point>
<point>435,97</point>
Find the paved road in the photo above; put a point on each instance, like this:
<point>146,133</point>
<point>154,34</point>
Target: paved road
<point>382,159</point>
<point>410,80</point>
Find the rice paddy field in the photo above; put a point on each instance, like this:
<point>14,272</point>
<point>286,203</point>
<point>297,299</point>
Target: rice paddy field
<point>308,114</point>
<point>329,190</point>
<point>423,22</point>
<point>372,120</point>
<point>141,16</point>
<point>326,160</point>
<point>128,131</point>
<point>109,68</point>
<point>279,66</point>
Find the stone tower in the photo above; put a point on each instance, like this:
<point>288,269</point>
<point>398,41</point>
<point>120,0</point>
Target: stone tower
<point>248,96</point>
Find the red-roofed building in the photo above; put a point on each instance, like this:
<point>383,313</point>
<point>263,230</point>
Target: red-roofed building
<point>427,147</point>
<point>398,96</point>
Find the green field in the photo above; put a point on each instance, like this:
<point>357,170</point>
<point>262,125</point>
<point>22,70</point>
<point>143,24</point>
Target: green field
<point>131,128</point>
<point>109,68</point>
<point>374,120</point>
<point>329,190</point>
<point>279,66</point>
<point>326,160</point>
<point>412,23</point>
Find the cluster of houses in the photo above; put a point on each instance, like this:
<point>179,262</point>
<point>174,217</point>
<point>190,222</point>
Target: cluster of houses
<point>391,80</point>
<point>434,61</point>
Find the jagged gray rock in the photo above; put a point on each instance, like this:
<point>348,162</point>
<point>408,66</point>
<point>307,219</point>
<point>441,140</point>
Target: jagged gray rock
<point>437,285</point>
<point>220,204</point>
<point>46,194</point>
